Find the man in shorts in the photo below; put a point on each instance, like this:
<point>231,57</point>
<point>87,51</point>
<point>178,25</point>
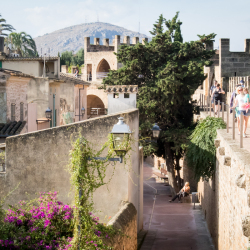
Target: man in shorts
<point>211,92</point>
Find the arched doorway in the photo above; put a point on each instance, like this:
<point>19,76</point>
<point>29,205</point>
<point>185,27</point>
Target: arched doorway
<point>102,69</point>
<point>95,106</point>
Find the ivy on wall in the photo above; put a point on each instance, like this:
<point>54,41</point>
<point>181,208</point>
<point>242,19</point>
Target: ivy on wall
<point>87,176</point>
<point>201,153</point>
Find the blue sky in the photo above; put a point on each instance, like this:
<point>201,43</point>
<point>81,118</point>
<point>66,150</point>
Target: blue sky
<point>226,18</point>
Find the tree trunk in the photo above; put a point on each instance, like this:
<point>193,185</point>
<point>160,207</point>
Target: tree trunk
<point>170,167</point>
<point>178,172</point>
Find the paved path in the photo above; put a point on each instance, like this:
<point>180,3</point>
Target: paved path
<point>171,226</point>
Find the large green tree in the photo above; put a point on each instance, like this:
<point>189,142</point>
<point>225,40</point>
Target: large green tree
<point>70,59</point>
<point>167,73</point>
<point>4,27</point>
<point>23,44</point>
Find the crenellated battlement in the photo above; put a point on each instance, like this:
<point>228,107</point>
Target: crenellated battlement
<point>116,43</point>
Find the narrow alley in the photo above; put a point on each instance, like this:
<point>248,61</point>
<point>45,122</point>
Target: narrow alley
<point>171,226</point>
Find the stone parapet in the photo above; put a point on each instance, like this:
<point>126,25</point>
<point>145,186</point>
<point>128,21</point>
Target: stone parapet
<point>225,197</point>
<point>125,221</point>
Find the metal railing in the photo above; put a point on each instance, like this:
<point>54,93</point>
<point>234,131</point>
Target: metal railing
<point>101,75</point>
<point>94,112</point>
<point>224,111</point>
<point>235,80</point>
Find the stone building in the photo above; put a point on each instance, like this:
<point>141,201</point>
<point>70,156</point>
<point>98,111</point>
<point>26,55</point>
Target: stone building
<point>121,97</point>
<point>98,60</point>
<point>227,64</point>
<point>28,87</point>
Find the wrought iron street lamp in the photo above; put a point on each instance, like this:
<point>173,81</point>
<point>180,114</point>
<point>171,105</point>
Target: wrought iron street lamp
<point>156,131</point>
<point>83,111</point>
<point>120,139</point>
<point>48,113</point>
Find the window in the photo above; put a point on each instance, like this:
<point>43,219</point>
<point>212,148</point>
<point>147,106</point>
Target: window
<point>21,111</point>
<point>13,109</point>
<point>126,95</point>
<point>116,95</point>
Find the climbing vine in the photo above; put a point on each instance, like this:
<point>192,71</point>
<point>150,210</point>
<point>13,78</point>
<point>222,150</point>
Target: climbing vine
<point>87,175</point>
<point>201,150</point>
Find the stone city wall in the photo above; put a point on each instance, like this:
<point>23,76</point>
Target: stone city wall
<point>39,162</point>
<point>225,198</point>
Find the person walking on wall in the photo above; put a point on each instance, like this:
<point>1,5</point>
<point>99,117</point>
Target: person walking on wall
<point>242,83</point>
<point>232,102</point>
<point>217,95</point>
<point>185,191</point>
<point>213,87</point>
<point>241,104</point>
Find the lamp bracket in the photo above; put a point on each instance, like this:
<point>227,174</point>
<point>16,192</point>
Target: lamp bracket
<point>120,159</point>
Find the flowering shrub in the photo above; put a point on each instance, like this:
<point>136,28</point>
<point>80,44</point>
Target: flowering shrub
<point>46,223</point>
<point>43,223</point>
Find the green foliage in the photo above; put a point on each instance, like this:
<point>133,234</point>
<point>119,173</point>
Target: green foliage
<point>201,151</point>
<point>23,44</point>
<point>66,58</point>
<point>69,59</point>
<point>86,177</point>
<point>4,27</point>
<point>167,73</point>
<point>158,26</point>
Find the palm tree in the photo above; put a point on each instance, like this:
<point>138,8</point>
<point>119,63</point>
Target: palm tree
<point>4,26</point>
<point>23,44</point>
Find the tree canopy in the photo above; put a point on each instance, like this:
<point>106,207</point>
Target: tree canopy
<point>70,59</point>
<point>23,44</point>
<point>167,72</point>
<point>5,27</point>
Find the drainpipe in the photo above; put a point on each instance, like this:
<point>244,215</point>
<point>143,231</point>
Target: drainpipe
<point>80,101</point>
<point>54,111</point>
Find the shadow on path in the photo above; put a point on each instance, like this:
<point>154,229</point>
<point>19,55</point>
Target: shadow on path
<point>171,226</point>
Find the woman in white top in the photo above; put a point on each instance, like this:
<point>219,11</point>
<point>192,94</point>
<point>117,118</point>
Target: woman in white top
<point>240,103</point>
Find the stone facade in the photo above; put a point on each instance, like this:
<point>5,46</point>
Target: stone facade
<point>227,64</point>
<point>26,98</point>
<point>124,220</point>
<point>225,197</point>
<point>98,60</point>
<point>39,162</point>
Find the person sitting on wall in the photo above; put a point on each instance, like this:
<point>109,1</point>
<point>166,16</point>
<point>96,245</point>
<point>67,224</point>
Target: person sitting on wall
<point>183,192</point>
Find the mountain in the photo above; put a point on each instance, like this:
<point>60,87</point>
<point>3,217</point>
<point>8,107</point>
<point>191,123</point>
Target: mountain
<point>72,38</point>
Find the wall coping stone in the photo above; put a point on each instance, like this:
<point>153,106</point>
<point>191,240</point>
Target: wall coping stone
<point>75,123</point>
<point>124,216</point>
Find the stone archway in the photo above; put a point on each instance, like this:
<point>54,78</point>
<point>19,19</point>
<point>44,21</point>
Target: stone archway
<point>102,69</point>
<point>95,106</point>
